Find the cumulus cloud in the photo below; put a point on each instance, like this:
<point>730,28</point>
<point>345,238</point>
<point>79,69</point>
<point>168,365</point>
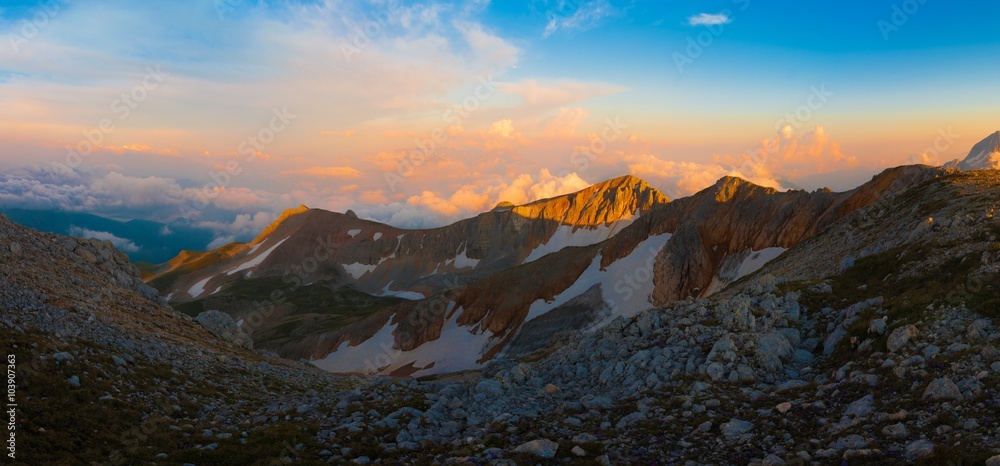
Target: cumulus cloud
<point>117,195</point>
<point>243,227</point>
<point>708,19</point>
<point>503,128</point>
<point>473,199</point>
<point>775,162</point>
<point>120,243</point>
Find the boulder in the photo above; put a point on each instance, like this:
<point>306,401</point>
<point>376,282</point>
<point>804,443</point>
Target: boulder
<point>900,337</point>
<point>222,326</point>
<point>542,447</point>
<point>943,389</point>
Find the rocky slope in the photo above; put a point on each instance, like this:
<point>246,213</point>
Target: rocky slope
<point>688,247</point>
<point>881,351</point>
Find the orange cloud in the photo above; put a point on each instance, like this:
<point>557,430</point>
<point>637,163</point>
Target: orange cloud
<point>346,133</point>
<point>140,149</point>
<point>326,172</point>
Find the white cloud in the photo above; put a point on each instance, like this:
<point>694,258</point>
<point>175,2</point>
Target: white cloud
<point>709,19</point>
<point>120,243</point>
<point>571,15</point>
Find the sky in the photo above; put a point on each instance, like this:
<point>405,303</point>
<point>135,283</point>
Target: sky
<point>226,112</point>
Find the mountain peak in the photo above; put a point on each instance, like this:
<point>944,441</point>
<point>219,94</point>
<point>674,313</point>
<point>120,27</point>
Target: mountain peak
<point>599,204</point>
<point>287,214</point>
<point>729,186</point>
<point>985,155</point>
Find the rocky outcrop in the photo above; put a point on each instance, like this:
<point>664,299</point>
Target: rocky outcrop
<point>222,326</point>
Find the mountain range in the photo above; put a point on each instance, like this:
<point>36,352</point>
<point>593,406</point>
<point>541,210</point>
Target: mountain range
<point>351,295</point>
<point>740,325</point>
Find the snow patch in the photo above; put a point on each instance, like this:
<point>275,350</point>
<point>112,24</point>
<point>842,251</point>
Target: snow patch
<point>411,295</point>
<point>376,236</point>
<point>568,235</point>
<point>358,269</point>
<point>366,357</point>
<point>256,260</point>
<point>199,288</point>
<point>462,261</point>
<point>737,266</point>
<point>354,232</point>
<point>626,284</point>
<point>458,348</point>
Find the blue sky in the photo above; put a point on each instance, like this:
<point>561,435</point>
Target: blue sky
<point>830,91</point>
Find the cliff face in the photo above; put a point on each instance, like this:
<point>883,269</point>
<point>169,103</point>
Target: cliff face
<point>689,247</point>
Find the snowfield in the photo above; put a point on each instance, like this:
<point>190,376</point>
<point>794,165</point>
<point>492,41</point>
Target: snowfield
<point>567,235</point>
<point>459,348</point>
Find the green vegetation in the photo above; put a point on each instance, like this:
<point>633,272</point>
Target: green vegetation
<point>949,283</point>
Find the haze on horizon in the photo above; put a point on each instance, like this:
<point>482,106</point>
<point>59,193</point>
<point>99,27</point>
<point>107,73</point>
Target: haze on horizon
<point>226,112</point>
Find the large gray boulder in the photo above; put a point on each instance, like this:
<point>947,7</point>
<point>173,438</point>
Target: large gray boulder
<point>222,326</point>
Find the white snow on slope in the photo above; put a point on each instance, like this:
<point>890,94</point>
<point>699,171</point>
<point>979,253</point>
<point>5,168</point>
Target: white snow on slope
<point>256,260</point>
<point>457,349</point>
<point>199,288</point>
<point>376,236</point>
<point>358,269</point>
<point>583,236</point>
<point>626,284</point>
<point>354,232</point>
<point>254,248</point>
<point>731,270</point>
<point>411,295</point>
<point>369,356</point>
<point>462,261</point>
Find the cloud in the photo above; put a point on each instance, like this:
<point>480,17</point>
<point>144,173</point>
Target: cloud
<point>570,15</point>
<point>326,172</point>
<point>120,243</point>
<point>470,200</point>
<point>503,128</point>
<point>563,124</point>
<point>243,227</point>
<point>708,19</point>
<point>132,149</point>
<point>346,133</point>
<point>556,93</point>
